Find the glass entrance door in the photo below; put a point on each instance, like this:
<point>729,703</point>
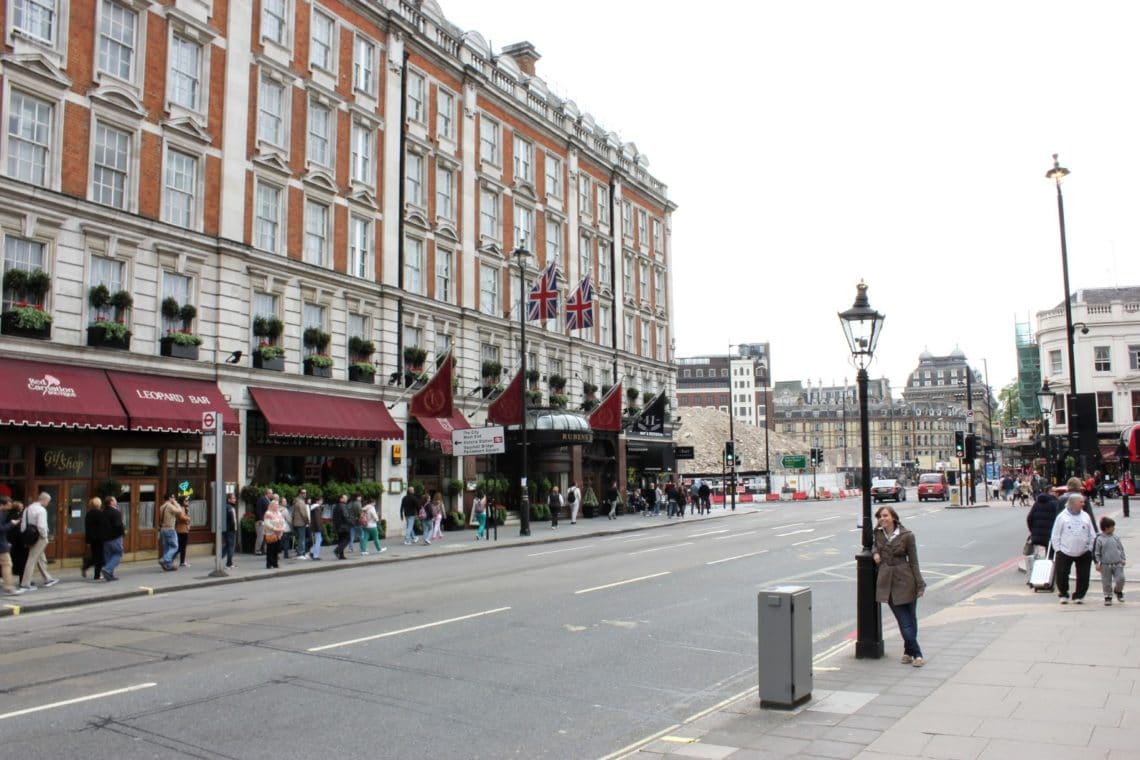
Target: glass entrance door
<point>138,505</point>
<point>65,516</point>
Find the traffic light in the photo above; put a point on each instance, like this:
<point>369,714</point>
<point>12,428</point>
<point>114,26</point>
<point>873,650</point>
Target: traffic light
<point>729,452</point>
<point>819,457</point>
<point>971,446</point>
<point>815,457</point>
<point>959,444</point>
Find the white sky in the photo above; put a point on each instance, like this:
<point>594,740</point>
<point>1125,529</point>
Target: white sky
<point>811,144</point>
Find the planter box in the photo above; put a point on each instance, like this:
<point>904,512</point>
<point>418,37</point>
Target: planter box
<point>359,376</point>
<point>8,327</point>
<point>315,371</point>
<point>167,347</point>
<point>277,365</point>
<point>97,338</point>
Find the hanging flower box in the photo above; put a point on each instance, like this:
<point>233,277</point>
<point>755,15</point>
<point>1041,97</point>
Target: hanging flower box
<point>26,320</point>
<point>103,333</point>
<point>362,372</point>
<point>180,345</point>
<point>318,365</point>
<point>269,357</point>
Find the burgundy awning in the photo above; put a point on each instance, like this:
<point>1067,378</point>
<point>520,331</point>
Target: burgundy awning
<point>315,415</point>
<point>58,395</point>
<point>439,428</point>
<point>165,404</point>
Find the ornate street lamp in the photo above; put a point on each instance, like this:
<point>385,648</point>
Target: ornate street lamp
<point>862,326</point>
<point>1058,173</point>
<point>1045,400</point>
<point>522,254</point>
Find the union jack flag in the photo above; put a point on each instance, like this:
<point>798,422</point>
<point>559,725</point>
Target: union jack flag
<point>543,300</point>
<point>580,306</point>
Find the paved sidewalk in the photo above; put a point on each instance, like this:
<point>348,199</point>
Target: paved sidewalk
<point>146,577</point>
<point>1009,674</point>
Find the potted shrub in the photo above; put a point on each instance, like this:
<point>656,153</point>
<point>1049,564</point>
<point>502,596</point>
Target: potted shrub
<point>647,397</point>
<point>26,320</point>
<point>361,369</point>
<point>107,333</point>
<point>559,400</point>
<point>534,397</point>
<point>557,383</point>
<point>589,502</point>
<point>532,377</point>
<point>180,344</point>
<point>631,395</point>
<point>414,357</point>
<point>455,488</point>
<point>318,365</point>
<point>99,297</point>
<point>490,372</point>
<point>38,285</point>
<point>121,301</point>
<point>170,308</point>
<point>268,355</point>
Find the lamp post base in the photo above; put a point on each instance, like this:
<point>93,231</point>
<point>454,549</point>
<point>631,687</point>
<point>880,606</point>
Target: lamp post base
<point>869,629</point>
<point>524,516</point>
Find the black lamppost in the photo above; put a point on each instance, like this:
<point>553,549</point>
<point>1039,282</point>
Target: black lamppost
<point>1057,174</point>
<point>1045,399</point>
<point>731,430</point>
<point>522,254</point>
<point>862,325</point>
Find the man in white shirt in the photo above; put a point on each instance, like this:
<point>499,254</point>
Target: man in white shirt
<point>574,499</point>
<point>1073,537</point>
<point>35,514</point>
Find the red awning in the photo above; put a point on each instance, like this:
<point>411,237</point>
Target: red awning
<point>314,415</point>
<point>58,395</point>
<point>439,428</point>
<point>1108,453</point>
<point>163,404</point>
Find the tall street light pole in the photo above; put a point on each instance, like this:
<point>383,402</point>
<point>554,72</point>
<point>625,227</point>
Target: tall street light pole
<point>1057,174</point>
<point>1045,399</point>
<point>522,254</point>
<point>731,430</point>
<point>861,326</point>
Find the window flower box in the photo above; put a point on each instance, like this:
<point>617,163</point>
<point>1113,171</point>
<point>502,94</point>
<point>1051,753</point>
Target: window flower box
<point>318,365</point>
<point>180,345</point>
<point>269,357</point>
<point>361,372</point>
<point>26,320</point>
<point>103,333</point>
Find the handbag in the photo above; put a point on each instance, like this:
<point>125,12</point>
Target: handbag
<point>1027,550</point>
<point>271,537</point>
<point>423,513</point>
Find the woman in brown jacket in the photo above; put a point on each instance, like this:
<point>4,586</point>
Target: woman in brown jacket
<point>900,580</point>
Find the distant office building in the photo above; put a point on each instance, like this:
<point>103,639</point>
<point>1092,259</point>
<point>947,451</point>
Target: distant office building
<point>745,377</point>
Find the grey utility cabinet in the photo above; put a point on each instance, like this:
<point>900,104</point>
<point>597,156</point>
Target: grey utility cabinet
<point>784,637</point>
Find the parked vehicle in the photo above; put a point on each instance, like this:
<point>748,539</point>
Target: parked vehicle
<point>932,485</point>
<point>887,490</point>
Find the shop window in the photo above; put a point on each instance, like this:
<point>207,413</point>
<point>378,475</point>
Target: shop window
<point>186,476</point>
<point>12,464</point>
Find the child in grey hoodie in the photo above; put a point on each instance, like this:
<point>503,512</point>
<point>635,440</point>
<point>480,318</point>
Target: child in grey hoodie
<point>1108,553</point>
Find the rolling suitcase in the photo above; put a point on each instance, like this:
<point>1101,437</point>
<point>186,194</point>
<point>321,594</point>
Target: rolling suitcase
<point>1041,571</point>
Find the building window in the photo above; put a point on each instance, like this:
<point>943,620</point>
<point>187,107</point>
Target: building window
<point>109,273</point>
<point>109,169</point>
<point>488,290</point>
<point>177,287</point>
<point>117,40</point>
<point>22,254</point>
<point>603,196</point>
<point>445,115</point>
<point>489,214</point>
<point>1055,367</point>
<point>629,332</point>
<point>656,236</point>
<point>361,167</point>
<point>1060,401</point>
<point>36,18</point>
<point>604,325</point>
<point>323,41</point>
<point>267,218</point>
<point>658,288</point>
<point>604,277</point>
<point>445,193</point>
<point>414,179</point>
<point>524,160</point>
<point>1102,359</point>
<point>643,281</point>
<point>443,275</point>
<point>29,138</point>
<point>320,134</point>
<point>627,219</point>
<point>357,327</point>
<point>1104,406</point>
<point>489,141</point>
<point>417,110</point>
<point>359,246</point>
<point>585,255</point>
<point>627,275</point>
<point>414,266</point>
<point>274,20</point>
<point>312,318</point>
<point>584,205</point>
<point>488,352</point>
<point>642,227</point>
<point>524,225</point>
<point>185,61</point>
<point>553,170</point>
<point>553,240</point>
<point>264,305</point>
<point>660,343</point>
<point>270,112</point>
<point>1134,358</point>
<point>364,66</point>
<point>645,337</point>
<point>181,187</point>
<point>1136,406</point>
<point>316,233</point>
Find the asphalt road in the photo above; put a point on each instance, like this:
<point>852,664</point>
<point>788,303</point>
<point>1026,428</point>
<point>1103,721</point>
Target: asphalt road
<point>564,650</point>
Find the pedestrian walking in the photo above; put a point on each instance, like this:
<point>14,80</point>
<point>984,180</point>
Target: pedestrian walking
<point>316,526</point>
<point>182,530</point>
<point>229,535</point>
<point>613,497</point>
<point>34,524</point>
<point>435,513</point>
<point>479,510</point>
<point>1073,537</point>
<point>370,528</point>
<point>705,495</point>
<point>7,534</point>
<point>93,537</point>
<point>574,499</point>
<point>342,520</point>
<point>1108,551</point>
<point>355,505</point>
<point>554,504</point>
<point>900,581</point>
<point>299,520</point>
<point>258,516</point>
<point>274,528</point>
<point>1040,521</point>
<point>409,510</point>
<point>112,539</point>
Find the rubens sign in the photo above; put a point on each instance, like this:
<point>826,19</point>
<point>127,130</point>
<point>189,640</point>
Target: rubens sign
<point>50,385</point>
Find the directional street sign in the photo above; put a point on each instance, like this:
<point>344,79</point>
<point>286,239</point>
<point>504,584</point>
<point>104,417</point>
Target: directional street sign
<point>794,462</point>
<point>478,441</point>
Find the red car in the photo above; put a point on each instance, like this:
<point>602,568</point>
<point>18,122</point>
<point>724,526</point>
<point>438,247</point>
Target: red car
<point>932,485</point>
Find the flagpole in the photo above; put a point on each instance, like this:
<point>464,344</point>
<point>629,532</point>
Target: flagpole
<point>416,386</point>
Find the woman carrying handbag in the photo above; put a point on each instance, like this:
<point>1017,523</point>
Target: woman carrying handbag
<point>900,580</point>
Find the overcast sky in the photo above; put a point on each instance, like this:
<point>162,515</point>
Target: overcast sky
<point>811,144</point>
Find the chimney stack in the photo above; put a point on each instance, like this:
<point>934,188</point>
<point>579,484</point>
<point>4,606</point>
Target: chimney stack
<point>524,55</point>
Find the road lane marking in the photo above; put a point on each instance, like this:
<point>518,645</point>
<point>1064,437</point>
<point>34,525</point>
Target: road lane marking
<point>642,538</point>
<point>707,533</point>
<point>808,541</point>
<point>659,548</point>
<point>407,630</point>
<point>738,556</point>
<point>77,700</point>
<point>736,535</point>
<point>833,517</point>
<point>789,525</point>
<point>794,532</point>
<point>621,583</point>
<point>556,551</point>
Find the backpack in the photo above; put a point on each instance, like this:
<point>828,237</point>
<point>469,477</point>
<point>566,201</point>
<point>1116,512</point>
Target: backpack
<point>572,496</point>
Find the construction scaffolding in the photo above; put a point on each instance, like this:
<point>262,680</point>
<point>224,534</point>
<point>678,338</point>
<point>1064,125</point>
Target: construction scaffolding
<point>1028,371</point>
